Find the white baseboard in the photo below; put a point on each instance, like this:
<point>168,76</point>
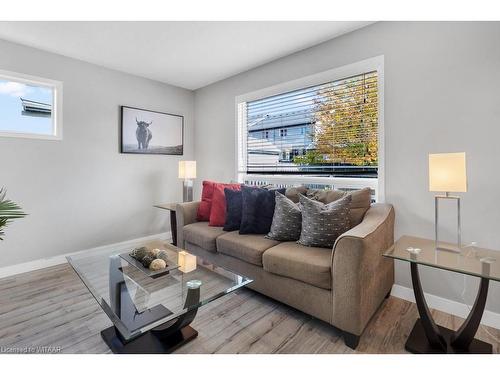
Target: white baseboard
<point>490,318</point>
<point>61,259</point>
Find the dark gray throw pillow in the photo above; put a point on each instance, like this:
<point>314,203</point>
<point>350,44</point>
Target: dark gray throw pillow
<point>233,209</point>
<point>323,223</point>
<point>287,220</point>
<point>257,209</point>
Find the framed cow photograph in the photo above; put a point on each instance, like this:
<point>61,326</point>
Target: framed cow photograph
<point>151,132</point>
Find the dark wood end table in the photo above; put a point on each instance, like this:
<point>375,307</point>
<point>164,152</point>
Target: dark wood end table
<point>173,219</point>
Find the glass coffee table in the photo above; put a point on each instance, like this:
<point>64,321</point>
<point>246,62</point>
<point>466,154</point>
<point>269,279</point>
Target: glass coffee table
<point>427,336</point>
<point>151,313</point>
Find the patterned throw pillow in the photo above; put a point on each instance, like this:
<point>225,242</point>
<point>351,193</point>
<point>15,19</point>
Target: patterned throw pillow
<point>323,223</point>
<point>287,220</point>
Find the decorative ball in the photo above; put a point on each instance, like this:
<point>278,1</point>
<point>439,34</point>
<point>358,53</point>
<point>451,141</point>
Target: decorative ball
<point>146,261</point>
<point>163,255</point>
<point>155,252</point>
<point>151,252</point>
<point>157,265</point>
<point>139,253</point>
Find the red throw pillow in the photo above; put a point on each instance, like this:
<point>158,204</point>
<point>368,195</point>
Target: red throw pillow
<point>206,201</point>
<point>218,210</point>
<point>203,213</point>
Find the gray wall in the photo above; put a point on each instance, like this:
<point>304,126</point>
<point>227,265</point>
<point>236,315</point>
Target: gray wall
<point>81,192</point>
<point>442,94</point>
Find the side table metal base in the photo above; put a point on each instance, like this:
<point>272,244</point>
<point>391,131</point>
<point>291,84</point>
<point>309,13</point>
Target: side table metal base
<point>149,343</point>
<point>418,343</point>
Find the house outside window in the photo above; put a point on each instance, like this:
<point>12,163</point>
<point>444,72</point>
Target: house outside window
<point>31,107</point>
<point>330,127</point>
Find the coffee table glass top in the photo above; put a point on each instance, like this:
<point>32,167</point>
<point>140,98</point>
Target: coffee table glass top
<point>470,260</point>
<point>137,303</point>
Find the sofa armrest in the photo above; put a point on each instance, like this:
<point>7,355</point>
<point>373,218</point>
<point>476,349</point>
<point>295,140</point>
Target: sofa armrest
<point>361,276</point>
<point>185,213</point>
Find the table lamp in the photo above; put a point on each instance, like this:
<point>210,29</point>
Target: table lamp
<point>187,171</point>
<point>447,173</point>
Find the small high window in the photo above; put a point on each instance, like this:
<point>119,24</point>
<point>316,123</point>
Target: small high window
<point>30,107</point>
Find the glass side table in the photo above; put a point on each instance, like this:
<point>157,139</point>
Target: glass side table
<point>426,336</point>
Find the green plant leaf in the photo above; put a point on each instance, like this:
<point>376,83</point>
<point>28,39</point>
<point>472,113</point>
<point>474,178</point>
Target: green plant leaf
<point>9,210</point>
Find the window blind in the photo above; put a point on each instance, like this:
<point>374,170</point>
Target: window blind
<point>327,129</point>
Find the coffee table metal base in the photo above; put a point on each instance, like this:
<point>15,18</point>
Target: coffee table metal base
<point>148,343</point>
<point>419,344</point>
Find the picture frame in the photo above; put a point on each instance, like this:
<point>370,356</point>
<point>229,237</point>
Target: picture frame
<point>144,131</point>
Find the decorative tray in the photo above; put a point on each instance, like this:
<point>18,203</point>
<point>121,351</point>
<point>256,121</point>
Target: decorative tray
<point>171,265</point>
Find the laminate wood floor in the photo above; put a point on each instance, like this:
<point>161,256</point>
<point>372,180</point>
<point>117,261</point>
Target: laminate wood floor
<point>52,308</point>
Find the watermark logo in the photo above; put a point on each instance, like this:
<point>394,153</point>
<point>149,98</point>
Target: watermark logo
<point>30,349</point>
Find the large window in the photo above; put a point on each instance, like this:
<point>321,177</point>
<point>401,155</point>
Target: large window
<point>322,129</point>
<point>30,107</point>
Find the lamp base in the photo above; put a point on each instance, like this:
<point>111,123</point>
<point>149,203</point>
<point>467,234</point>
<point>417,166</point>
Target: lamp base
<point>187,191</point>
<point>452,248</point>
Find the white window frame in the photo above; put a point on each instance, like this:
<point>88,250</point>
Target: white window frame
<point>57,100</point>
<point>364,66</point>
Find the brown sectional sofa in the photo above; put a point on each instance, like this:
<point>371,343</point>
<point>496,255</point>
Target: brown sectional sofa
<point>343,286</point>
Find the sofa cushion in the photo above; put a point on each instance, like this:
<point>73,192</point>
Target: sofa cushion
<point>207,192</point>
<point>247,247</point>
<point>202,235</point>
<point>323,223</point>
<point>205,206</point>
<point>218,209</point>
<point>360,201</point>
<point>257,209</point>
<point>311,265</point>
<point>293,192</point>
<point>233,209</point>
<point>287,220</point>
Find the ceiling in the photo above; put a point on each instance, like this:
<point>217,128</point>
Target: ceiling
<point>185,54</point>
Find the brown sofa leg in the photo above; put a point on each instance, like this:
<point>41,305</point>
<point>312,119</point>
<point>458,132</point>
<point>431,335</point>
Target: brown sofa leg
<point>351,340</point>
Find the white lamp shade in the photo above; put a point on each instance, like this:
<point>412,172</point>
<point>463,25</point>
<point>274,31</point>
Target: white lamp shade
<point>187,169</point>
<point>447,172</point>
